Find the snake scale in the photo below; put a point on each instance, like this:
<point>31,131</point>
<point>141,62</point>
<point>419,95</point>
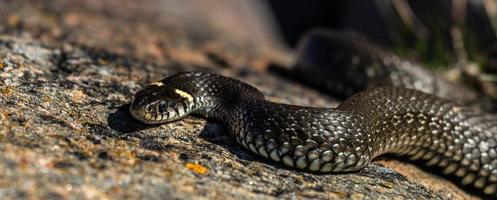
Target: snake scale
<point>373,122</point>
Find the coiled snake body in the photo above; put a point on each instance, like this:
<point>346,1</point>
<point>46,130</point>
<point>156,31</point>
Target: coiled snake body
<point>346,138</point>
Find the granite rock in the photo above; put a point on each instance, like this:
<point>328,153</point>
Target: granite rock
<point>65,132</point>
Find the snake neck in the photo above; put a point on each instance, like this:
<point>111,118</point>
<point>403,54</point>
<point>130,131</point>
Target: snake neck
<point>218,97</point>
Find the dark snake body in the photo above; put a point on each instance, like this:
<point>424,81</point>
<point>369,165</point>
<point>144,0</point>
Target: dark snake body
<point>373,122</point>
<point>344,64</point>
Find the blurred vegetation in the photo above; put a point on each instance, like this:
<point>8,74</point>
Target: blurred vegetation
<point>447,35</point>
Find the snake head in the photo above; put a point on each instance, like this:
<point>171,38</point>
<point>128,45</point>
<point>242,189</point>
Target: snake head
<point>158,103</point>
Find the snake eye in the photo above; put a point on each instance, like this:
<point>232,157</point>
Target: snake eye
<point>162,106</point>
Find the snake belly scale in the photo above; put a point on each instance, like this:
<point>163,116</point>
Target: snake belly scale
<point>376,121</point>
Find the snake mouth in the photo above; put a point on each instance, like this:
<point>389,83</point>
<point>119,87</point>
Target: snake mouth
<point>144,115</point>
<point>156,113</point>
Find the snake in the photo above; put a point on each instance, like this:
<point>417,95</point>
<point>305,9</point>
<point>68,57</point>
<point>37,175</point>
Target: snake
<point>376,121</point>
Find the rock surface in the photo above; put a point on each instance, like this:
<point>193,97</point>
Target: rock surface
<point>65,132</point>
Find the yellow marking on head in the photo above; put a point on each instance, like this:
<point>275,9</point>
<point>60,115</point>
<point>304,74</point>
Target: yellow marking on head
<point>157,83</point>
<point>184,94</point>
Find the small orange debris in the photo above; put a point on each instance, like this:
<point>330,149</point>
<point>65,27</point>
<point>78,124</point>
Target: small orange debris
<point>1,64</point>
<point>13,20</point>
<point>6,91</point>
<point>199,169</point>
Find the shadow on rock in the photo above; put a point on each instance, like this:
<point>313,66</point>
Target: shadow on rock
<point>218,135</point>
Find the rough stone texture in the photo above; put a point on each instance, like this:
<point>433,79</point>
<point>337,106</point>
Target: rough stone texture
<point>65,132</point>
<point>158,30</point>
